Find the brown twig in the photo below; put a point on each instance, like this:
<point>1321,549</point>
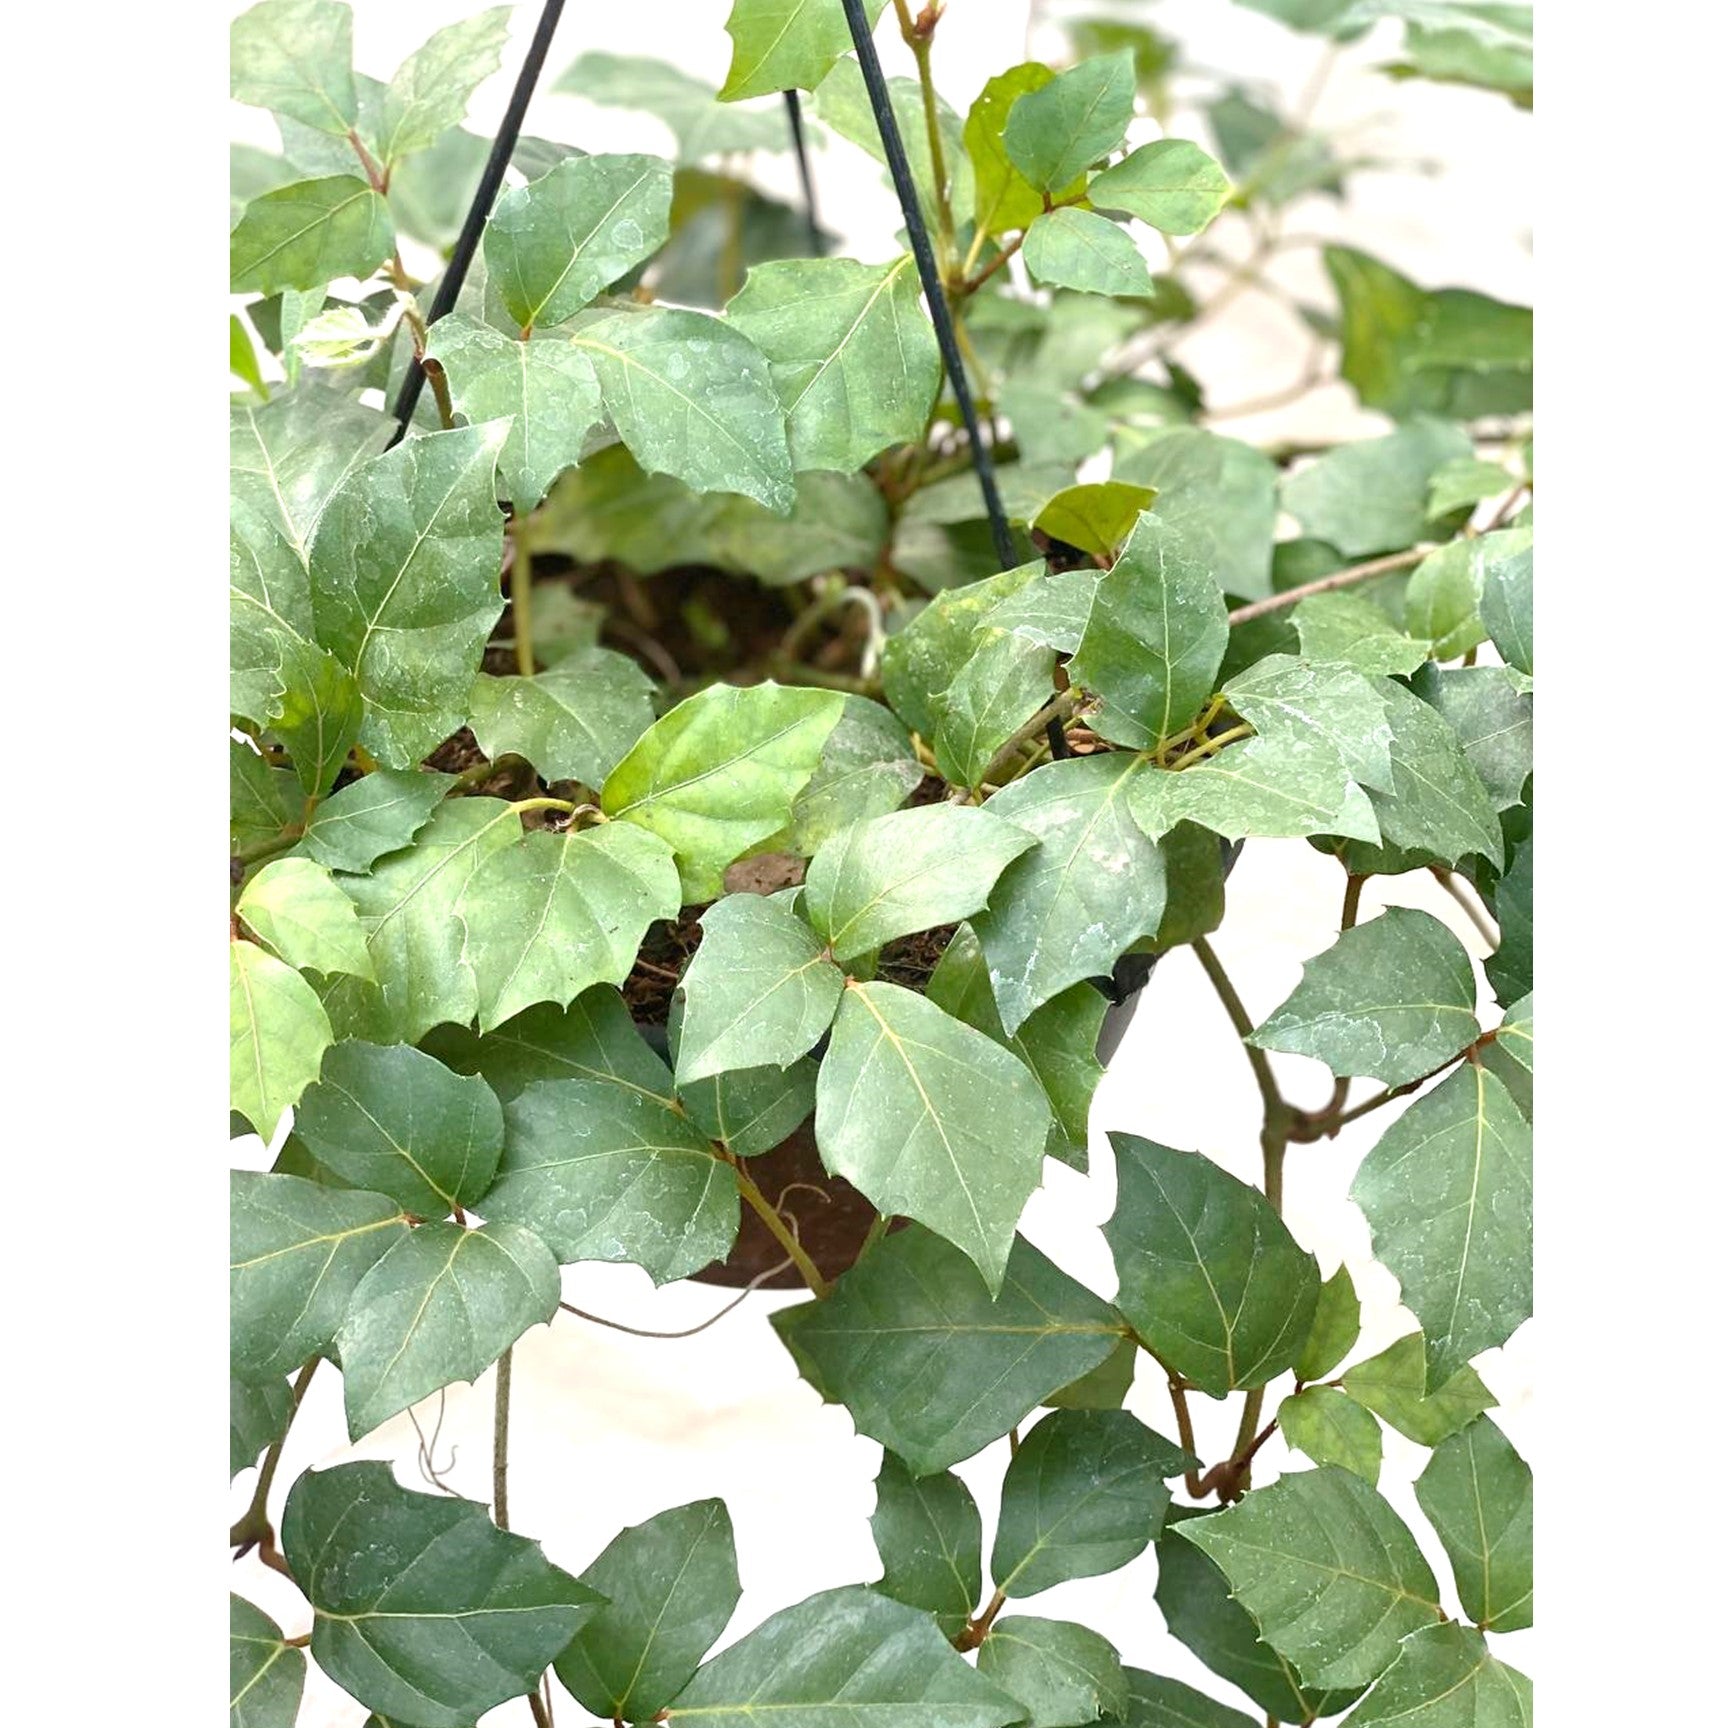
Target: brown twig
<point>1393,561</point>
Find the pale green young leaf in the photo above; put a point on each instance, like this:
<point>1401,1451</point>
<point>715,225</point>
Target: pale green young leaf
<point>719,773</point>
<point>1053,424</point>
<point>404,569</point>
<point>257,1415</point>
<point>1447,1195</point>
<point>422,1607</point>
<point>1478,1494</point>
<point>1391,1000</point>
<point>1335,703</point>
<point>1355,632</point>
<point>1507,600</point>
<point>1096,518</point>
<point>1079,249</point>
<point>604,1171</point>
<point>1327,1569</point>
<point>574,721</point>
<point>928,1362</point>
<point>442,1305</point>
<point>786,44</point>
<point>379,813</point>
<point>277,1035</point>
<point>266,1675</point>
<point>243,358</point>
<point>1055,132</point>
<point>702,125</point>
<point>555,243</point>
<point>430,90</point>
<point>1210,1277</point>
<point>1512,1055</point>
<point>867,769</point>
<point>1394,1385</point>
<point>1466,481</point>
<point>298,913</point>
<point>1493,718</point>
<point>1337,1326</point>
<point>1444,1677</point>
<point>307,233</point>
<point>394,1120</point>
<point>670,1585</point>
<point>929,1119</point>
<point>759,992</point>
<point>1371,495</point>
<point>1062,1675</point>
<point>1004,682</point>
<point>851,352</point>
<point>931,1540</point>
<point>1330,1428</point>
<point>296,57</point>
<point>1155,1702</point>
<point>1172,185</point>
<point>1006,198</point>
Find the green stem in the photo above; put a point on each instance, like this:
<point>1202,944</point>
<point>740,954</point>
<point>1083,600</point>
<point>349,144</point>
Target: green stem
<point>523,805</point>
<point>261,849</point>
<point>1276,1108</point>
<point>919,42</point>
<point>254,1523</point>
<point>522,601</point>
<point>501,1444</point>
<point>778,1229</point>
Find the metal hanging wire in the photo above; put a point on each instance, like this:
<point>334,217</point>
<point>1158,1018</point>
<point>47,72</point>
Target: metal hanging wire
<point>795,120</point>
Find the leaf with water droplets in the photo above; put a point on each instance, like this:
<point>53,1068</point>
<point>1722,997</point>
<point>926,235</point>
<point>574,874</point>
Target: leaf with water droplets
<point>296,57</point>
<point>1055,132</point>
<point>1478,1493</point>
<point>307,233</point>
<point>266,1675</point>
<point>930,1537</point>
<point>1061,1674</point>
<point>430,90</point>
<point>1082,250</point>
<point>1444,1677</point>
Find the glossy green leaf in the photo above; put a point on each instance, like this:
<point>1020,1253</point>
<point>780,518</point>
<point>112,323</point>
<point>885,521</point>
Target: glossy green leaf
<point>1478,1494</point>
<point>574,721</point>
<point>257,1416</point>
<point>265,1674</point>
<point>1447,1196</point>
<point>548,389</point>
<point>1444,1677</point>
<point>555,243</point>
<point>838,1658</point>
<point>1096,518</point>
<point>1084,1494</point>
<point>302,917</point>
<point>404,569</point>
<point>1325,1566</point>
<point>1394,1385</point>
<point>1079,116</point>
<point>1155,1702</point>
<point>785,44</point>
<point>1330,1428</point>
<point>1211,1278</point>
<point>296,57</point>
<point>1090,888</point>
<point>759,992</point>
<point>703,125</point>
<point>1371,495</point>
<point>1062,1674</point>
<point>931,1541</point>
<point>1337,1325</point>
<point>1336,704</point>
<point>277,1035</point>
<point>430,91</point>
<point>867,769</point>
<point>1443,594</point>
<point>1082,250</point>
<point>1155,637</point>
<point>296,1252</point>
<point>719,773</point>
<point>1512,1055</point>
<point>928,1362</point>
<point>693,397</point>
<point>670,1585</point>
<point>1508,601</point>
<point>1355,632</point>
<point>604,1171</point>
<point>394,1120</point>
<point>931,1120</point>
<point>1172,185</point>
<point>423,1608</point>
<point>308,233</point>
<point>1006,198</point>
<point>852,354</point>
<point>1493,719</point>
<point>1511,967</point>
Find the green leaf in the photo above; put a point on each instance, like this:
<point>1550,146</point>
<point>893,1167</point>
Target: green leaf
<point>1091,887</point>
<point>1212,1281</point>
<point>1512,1055</point>
<point>1095,518</point>
<point>928,1362</point>
<point>670,1585</point>
<point>257,1416</point>
<point>1447,1196</point>
<point>261,800</point>
<point>1155,638</point>
<point>574,721</point>
<point>296,1252</point>
<point>1511,967</point>
<point>297,912</point>
<point>1005,681</point>
<point>1154,1702</point>
<point>544,919</point>
<point>785,44</point>
<point>243,357</point>
<point>752,1110</point>
<point>867,769</point>
<point>1079,249</point>
<point>1508,599</point>
<point>839,521</point>
<point>1337,1325</point>
<point>396,1121</point>
<point>1279,693</point>
<point>931,1120</point>
<point>277,1034</point>
<point>1371,495</point>
<point>931,1541</point>
<point>838,1658</point>
<point>909,870</point>
<point>1194,886</point>
<point>296,57</point>
<point>1084,1494</point>
<point>1105,1387</point>
<point>759,992</point>
<point>693,397</point>
<point>1079,116</point>
<point>1199,1609</point>
<point>604,1171</point>
<point>1493,718</point>
<point>265,1674</point>
<point>1443,593</point>
<point>555,243</point>
<point>1006,198</point>
<point>547,389</point>
<point>852,355</point>
<point>308,233</point>
<point>1172,185</point>
<point>1445,1678</point>
<point>719,773</point>
<point>404,569</point>
<point>1391,999</point>
<point>423,1608</point>
<point>702,125</point>
<point>1394,1385</point>
<point>1478,1494</point>
<point>1458,485</point>
<point>1355,632</point>
<point>1328,1570</point>
<point>1063,1674</point>
<point>1332,1429</point>
<point>430,91</point>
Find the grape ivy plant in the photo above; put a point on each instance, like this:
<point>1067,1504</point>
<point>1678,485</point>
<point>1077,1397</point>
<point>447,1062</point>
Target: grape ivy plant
<point>752,693</point>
